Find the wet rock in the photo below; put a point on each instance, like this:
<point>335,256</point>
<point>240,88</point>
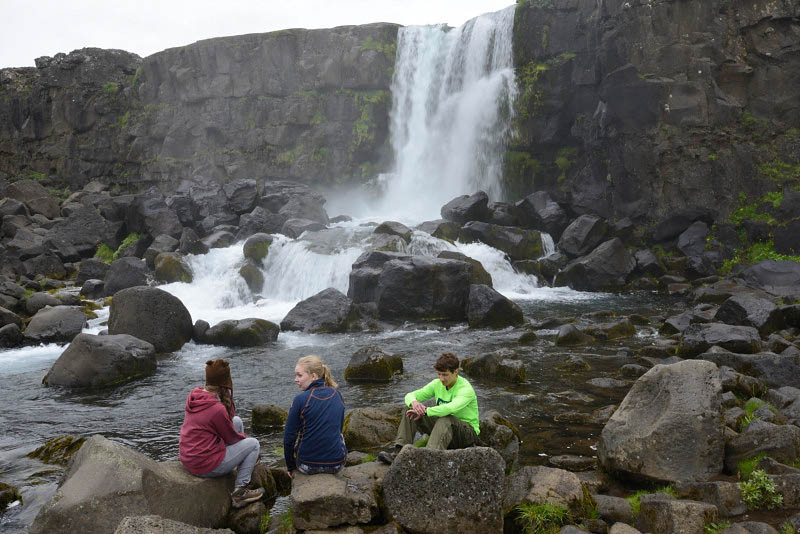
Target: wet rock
<point>190,243</point>
<point>371,364</point>
<point>153,523</point>
<point>780,442</point>
<point>470,500</point>
<point>250,332</point>
<point>607,383</point>
<point>394,228</point>
<point>518,243</point>
<point>774,370</point>
<point>162,243</point>
<point>107,481</point>
<point>442,229</point>
<point>672,411</point>
<point>539,211</point>
<point>368,427</point>
<point>241,195</point>
<point>256,247</point>
<point>57,324</point>
<point>248,518</point>
<point>323,501</point>
<point>477,274</point>
<point>329,311</point>
<point>606,267</point>
<point>295,227</point>
<point>37,301</point>
<point>698,338</point>
<point>540,485</point>
<point>582,235</point>
<point>92,269</point>
<point>57,451</point>
<point>612,330</point>
<point>632,370</point>
<point>93,289</point>
<point>10,336</point>
<point>220,239</point>
<point>102,361</point>
<point>726,496</point>
<point>499,434</point>
<point>570,335</point>
<point>467,208</point>
<point>253,277</point>
<point>550,265</point>
<point>488,308</point>
<point>501,213</point>
<point>748,310</point>
<point>8,494</point>
<point>502,365</point>
<point>664,514</point>
<point>125,273</point>
<point>170,267</point>
<point>153,315</point>
<point>266,416</point>
<point>572,463</point>
<point>613,509</point>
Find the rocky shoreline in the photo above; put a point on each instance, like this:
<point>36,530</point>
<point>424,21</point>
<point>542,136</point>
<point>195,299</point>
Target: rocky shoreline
<point>717,387</point>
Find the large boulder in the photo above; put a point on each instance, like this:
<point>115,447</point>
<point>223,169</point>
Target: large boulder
<point>677,222</point>
<point>371,364</point>
<point>477,273</point>
<point>518,243</point>
<point>394,228</point>
<point>256,247</point>
<point>669,427</point>
<point>149,213</point>
<point>543,485</point>
<point>82,232</point>
<point>102,361</point>
<point>153,315</point>
<point>692,242</point>
<point>92,269</point>
<point>778,277</point>
<point>39,300</point>
<point>699,337</point>
<point>34,196</point>
<point>369,427</point>
<point>162,243</point>
<point>250,332</point>
<point>418,287</point>
<point>501,365</point>
<point>190,243</point>
<point>488,308</point>
<point>539,211</point>
<point>107,482</point>
<point>170,267</point>
<point>241,194</point>
<point>125,273</point>
<point>467,208</point>
<point>295,227</point>
<point>750,310</point>
<point>582,235</point>
<point>323,501</point>
<point>57,324</point>
<point>606,267</point>
<point>329,311</point>
<point>775,370</point>
<point>779,442</point>
<point>469,499</point>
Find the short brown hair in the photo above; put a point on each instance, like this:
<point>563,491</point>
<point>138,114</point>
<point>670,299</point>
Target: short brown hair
<point>446,362</point>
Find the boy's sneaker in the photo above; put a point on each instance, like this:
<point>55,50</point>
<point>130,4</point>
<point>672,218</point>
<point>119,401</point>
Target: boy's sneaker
<point>387,456</point>
<point>242,496</point>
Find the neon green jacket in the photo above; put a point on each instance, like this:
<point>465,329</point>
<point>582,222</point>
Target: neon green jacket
<point>459,400</point>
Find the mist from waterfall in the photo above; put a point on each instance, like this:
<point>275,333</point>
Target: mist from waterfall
<point>452,100</point>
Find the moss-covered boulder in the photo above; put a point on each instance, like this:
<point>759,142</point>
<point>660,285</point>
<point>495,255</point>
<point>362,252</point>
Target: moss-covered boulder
<point>365,428</point>
<point>477,274</point>
<point>170,267</point>
<point>371,364</point>
<point>394,228</point>
<point>266,416</point>
<point>251,332</point>
<point>502,365</point>
<point>612,330</point>
<point>256,247</point>
<point>58,450</point>
<point>518,243</point>
<point>253,276</point>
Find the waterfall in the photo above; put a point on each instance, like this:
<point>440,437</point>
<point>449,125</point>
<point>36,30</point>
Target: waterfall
<point>548,246</point>
<point>452,99</point>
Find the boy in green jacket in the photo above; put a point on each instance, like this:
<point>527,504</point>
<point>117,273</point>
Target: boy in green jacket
<point>451,424</point>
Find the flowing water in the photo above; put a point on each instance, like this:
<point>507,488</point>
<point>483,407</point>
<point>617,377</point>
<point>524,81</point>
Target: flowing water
<point>452,94</point>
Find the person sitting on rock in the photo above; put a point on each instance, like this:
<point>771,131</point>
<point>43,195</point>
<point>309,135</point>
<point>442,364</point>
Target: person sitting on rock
<point>312,439</point>
<point>451,424</point>
<point>212,441</point>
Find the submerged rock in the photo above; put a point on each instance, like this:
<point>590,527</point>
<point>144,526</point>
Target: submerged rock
<point>488,308</point>
<point>502,364</point>
<point>371,364</point>
<point>251,332</point>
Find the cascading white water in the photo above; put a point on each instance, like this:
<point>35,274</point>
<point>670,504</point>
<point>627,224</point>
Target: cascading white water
<point>452,99</point>
<point>548,246</point>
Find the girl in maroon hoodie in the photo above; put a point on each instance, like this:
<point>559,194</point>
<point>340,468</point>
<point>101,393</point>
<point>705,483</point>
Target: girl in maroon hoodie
<point>212,441</point>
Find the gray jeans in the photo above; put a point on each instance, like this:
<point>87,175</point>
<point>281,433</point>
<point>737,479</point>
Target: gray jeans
<point>242,454</point>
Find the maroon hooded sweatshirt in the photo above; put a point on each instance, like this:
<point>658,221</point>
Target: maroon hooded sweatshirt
<point>205,433</point>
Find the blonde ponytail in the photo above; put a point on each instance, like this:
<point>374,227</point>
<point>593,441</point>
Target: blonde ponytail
<point>314,366</point>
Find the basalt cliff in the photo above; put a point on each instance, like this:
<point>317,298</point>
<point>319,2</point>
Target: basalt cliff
<point>625,108</point>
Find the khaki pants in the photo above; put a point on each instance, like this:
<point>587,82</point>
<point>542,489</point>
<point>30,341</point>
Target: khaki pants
<point>448,432</point>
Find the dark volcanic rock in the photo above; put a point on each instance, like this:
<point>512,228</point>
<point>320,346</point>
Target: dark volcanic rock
<point>477,274</point>
<point>170,267</point>
<point>34,196</point>
<point>151,314</point>
<point>488,308</point>
<point>58,324</point>
<point>92,269</point>
<point>502,365</point>
<point>329,311</point>
<point>467,208</point>
<point>518,243</point>
<point>692,242</point>
<point>242,333</point>
<point>582,235</point>
<point>748,310</point>
<point>371,364</point>
<point>606,267</point>
<point>539,211</point>
<point>102,361</point>
<point>125,273</point>
<point>698,338</point>
<point>677,223</point>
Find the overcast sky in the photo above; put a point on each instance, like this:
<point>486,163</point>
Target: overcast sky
<point>34,28</point>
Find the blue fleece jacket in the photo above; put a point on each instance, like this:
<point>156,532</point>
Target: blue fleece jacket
<point>313,432</point>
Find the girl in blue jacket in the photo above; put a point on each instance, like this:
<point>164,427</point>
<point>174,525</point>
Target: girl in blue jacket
<point>312,439</point>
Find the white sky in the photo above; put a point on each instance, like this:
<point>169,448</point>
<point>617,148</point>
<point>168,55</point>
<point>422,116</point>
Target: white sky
<point>34,28</point>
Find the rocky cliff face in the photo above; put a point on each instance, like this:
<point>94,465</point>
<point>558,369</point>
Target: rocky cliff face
<point>638,107</point>
<point>307,105</point>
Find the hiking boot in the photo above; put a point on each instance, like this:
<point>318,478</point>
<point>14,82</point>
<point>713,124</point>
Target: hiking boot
<point>387,456</point>
<point>242,496</point>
